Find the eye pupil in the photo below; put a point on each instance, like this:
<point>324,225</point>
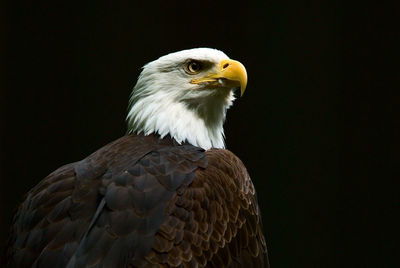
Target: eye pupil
<point>194,67</point>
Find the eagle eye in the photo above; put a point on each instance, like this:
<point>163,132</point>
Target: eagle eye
<point>193,67</point>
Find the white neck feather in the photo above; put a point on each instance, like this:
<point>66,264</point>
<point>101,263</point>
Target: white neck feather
<point>200,124</point>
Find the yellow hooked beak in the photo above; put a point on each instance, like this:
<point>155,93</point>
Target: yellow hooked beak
<point>231,73</point>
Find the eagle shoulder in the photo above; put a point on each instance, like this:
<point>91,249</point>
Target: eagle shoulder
<point>102,211</point>
<point>215,222</point>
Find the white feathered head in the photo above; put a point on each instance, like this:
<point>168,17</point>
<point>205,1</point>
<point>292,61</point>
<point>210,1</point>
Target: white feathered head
<point>186,94</point>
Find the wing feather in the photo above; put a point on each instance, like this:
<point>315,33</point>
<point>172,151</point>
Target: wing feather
<point>219,218</point>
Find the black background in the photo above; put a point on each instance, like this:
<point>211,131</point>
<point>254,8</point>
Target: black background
<point>315,128</point>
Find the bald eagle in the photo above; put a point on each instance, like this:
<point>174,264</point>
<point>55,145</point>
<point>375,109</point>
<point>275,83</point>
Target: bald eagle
<point>165,195</point>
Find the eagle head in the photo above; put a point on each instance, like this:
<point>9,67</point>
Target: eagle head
<point>186,94</point>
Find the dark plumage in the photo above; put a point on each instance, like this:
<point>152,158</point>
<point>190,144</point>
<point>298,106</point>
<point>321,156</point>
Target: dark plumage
<point>142,201</point>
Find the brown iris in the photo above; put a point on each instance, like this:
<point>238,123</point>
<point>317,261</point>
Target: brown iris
<point>193,67</point>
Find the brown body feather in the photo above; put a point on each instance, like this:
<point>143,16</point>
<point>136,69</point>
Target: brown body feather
<point>141,202</point>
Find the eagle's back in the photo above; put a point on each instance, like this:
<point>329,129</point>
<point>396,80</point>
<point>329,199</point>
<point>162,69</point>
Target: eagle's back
<point>215,222</point>
<point>141,201</point>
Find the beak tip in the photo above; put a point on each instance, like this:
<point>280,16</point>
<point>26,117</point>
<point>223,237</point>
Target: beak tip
<point>242,88</point>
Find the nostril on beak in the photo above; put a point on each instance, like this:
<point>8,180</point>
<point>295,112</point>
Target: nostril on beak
<point>225,66</point>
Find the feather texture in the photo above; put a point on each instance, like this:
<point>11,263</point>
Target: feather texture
<point>141,201</point>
